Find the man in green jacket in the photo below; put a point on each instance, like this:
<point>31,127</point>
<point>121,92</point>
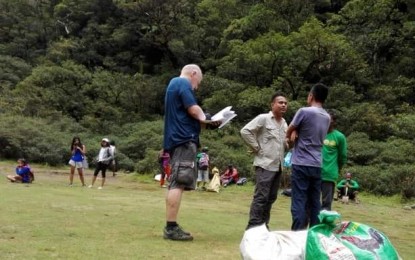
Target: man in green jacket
<point>351,186</point>
<point>334,157</point>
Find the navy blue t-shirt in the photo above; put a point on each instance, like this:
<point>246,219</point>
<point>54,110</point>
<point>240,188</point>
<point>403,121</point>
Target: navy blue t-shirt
<point>179,126</point>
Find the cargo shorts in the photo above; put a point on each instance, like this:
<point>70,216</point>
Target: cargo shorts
<point>183,167</point>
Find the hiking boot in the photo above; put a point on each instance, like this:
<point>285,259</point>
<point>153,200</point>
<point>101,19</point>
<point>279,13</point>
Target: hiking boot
<point>177,233</point>
<point>185,232</point>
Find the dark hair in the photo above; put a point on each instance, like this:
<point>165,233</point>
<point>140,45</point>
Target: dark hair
<point>277,94</point>
<point>23,160</point>
<point>320,92</point>
<point>73,141</point>
<point>107,144</point>
<point>333,114</point>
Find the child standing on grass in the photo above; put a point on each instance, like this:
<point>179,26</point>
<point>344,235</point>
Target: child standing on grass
<point>164,160</point>
<point>23,173</point>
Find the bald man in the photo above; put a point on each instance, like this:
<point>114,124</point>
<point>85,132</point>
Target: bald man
<point>183,121</point>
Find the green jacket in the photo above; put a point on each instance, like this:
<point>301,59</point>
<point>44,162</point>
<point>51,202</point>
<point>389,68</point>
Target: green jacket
<point>353,183</point>
<point>334,155</point>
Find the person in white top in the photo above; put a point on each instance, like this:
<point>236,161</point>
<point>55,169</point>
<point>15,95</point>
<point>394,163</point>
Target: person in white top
<point>113,163</point>
<point>103,160</point>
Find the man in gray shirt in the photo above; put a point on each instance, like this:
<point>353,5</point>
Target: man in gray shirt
<point>265,135</point>
<point>307,131</point>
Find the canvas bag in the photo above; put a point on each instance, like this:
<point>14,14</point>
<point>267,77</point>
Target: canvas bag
<point>214,184</point>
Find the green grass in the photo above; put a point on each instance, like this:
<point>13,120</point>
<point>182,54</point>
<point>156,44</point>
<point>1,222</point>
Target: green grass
<point>48,220</point>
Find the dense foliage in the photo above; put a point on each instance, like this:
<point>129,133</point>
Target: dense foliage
<point>99,68</point>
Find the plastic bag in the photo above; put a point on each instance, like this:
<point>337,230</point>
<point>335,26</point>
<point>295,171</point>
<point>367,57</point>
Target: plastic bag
<point>347,240</point>
<point>260,244</point>
<point>287,160</point>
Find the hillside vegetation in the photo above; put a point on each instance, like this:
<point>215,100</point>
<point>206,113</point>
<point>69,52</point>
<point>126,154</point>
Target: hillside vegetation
<point>100,67</point>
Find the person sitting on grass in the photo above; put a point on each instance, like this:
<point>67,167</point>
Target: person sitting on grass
<point>230,176</point>
<point>348,187</point>
<point>23,173</point>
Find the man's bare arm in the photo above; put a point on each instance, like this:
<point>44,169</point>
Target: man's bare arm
<point>196,112</point>
<point>291,135</point>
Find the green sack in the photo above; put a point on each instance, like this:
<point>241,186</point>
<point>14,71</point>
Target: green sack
<point>347,240</point>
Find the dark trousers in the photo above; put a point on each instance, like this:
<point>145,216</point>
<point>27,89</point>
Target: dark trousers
<point>327,193</point>
<point>350,192</point>
<point>101,167</point>
<point>305,198</point>
<point>266,192</point>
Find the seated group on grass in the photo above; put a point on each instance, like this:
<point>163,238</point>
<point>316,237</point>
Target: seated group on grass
<point>23,173</point>
<point>230,176</point>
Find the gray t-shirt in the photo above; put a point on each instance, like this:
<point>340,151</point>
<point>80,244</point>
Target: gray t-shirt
<point>312,124</point>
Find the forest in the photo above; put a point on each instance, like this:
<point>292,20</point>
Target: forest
<point>99,68</point>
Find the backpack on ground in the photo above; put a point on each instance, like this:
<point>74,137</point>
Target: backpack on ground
<point>204,161</point>
<point>242,181</point>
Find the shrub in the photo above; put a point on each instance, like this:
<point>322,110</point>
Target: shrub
<point>361,150</point>
<point>32,138</point>
<point>386,180</point>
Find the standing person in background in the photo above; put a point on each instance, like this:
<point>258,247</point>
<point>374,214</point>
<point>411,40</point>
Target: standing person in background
<point>203,169</point>
<point>23,173</point>
<point>265,135</point>
<point>183,120</point>
<point>334,157</point>
<point>307,132</point>
<point>78,152</point>
<point>164,160</point>
<point>103,160</point>
<point>113,163</point>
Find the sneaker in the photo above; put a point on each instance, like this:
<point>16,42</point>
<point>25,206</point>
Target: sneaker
<point>177,233</point>
<point>90,186</point>
<point>100,188</point>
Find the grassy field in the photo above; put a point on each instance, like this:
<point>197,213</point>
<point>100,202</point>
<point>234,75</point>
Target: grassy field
<point>49,220</point>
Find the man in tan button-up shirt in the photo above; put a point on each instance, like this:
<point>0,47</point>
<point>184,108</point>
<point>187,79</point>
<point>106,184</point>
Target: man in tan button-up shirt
<point>265,135</point>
